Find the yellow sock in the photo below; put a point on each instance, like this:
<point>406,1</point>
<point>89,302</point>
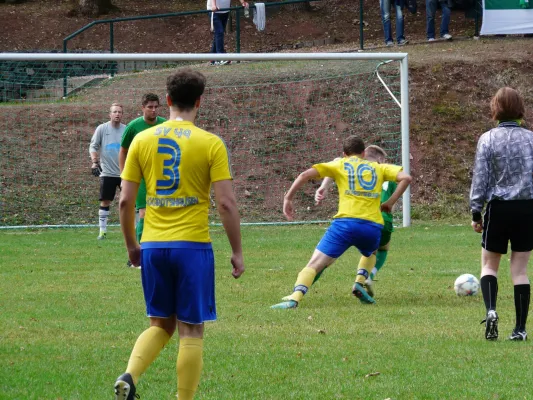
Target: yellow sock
<point>303,283</point>
<point>145,351</point>
<point>189,367</point>
<point>365,266</point>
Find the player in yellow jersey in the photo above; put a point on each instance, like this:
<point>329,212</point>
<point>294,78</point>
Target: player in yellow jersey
<point>358,221</point>
<point>377,154</point>
<point>178,162</point>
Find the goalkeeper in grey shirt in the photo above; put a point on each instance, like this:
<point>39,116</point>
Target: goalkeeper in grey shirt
<point>104,148</point>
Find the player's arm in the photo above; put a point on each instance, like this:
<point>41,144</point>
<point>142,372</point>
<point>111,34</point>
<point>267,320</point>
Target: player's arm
<point>125,143</point>
<point>403,180</point>
<point>320,193</point>
<point>94,147</point>
<point>229,214</point>
<point>128,194</point>
<point>122,154</point>
<point>303,178</point>
<point>478,190</point>
<point>327,182</point>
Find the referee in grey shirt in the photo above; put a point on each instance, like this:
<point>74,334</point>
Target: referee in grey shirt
<point>104,148</point>
<point>503,181</point>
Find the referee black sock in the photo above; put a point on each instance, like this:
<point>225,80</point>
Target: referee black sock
<point>521,304</point>
<point>489,288</point>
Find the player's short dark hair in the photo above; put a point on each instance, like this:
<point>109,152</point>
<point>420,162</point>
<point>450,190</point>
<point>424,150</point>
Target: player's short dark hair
<point>185,87</point>
<point>148,97</point>
<point>353,145</point>
<point>375,153</point>
<point>507,104</point>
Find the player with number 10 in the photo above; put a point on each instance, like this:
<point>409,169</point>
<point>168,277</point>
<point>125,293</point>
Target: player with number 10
<point>358,221</point>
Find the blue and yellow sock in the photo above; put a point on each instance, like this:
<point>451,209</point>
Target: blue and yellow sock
<point>303,283</point>
<point>365,266</point>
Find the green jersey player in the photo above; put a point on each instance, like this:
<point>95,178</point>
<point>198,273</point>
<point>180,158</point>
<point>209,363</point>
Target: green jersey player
<point>150,106</point>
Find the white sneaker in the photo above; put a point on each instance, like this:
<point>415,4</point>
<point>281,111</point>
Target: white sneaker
<point>447,36</point>
<point>431,39</point>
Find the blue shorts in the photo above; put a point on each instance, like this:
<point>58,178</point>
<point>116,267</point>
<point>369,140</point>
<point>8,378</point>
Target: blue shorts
<point>179,279</point>
<point>346,232</point>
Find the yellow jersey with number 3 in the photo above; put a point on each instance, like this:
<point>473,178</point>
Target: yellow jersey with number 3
<point>179,162</point>
<point>359,182</point>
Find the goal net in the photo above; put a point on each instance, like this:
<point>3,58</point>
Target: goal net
<point>277,113</point>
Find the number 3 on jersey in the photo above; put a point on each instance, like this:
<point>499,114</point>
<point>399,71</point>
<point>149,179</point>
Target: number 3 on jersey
<point>364,172</point>
<point>166,187</point>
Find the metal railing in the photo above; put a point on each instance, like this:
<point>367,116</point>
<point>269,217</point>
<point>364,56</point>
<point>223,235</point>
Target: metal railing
<point>112,23</point>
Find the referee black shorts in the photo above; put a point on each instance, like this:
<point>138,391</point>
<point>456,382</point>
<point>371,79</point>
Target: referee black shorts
<point>108,187</point>
<point>508,221</point>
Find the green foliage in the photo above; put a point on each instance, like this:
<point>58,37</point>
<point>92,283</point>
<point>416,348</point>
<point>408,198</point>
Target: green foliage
<point>71,313</point>
<point>447,206</point>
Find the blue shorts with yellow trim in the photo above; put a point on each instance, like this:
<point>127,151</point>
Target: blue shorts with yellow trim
<point>179,278</point>
<point>346,232</point>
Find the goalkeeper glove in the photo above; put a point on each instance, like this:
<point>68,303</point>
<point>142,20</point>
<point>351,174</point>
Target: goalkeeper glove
<point>96,169</point>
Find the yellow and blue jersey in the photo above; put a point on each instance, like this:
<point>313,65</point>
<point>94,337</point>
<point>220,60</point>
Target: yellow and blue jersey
<point>179,162</point>
<point>359,182</point>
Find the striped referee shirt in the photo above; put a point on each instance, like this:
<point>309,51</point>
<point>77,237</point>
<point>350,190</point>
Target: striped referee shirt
<point>503,169</point>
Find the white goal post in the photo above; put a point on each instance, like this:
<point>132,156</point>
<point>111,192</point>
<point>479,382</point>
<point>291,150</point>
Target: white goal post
<point>402,103</point>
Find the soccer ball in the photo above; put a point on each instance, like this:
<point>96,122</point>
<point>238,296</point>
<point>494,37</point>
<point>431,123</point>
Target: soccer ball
<point>466,285</point>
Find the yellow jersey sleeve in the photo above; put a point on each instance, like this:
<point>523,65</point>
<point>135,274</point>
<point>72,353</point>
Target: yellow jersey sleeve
<point>220,165</point>
<point>329,169</point>
<point>390,172</point>
<point>132,169</point>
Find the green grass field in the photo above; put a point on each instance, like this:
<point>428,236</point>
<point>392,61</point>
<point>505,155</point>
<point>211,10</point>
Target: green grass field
<point>71,312</point>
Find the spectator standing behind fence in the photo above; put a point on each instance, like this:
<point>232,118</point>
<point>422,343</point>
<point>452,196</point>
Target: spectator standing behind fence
<point>104,148</point>
<point>218,21</point>
<point>385,7</point>
<point>431,10</point>
<point>502,180</point>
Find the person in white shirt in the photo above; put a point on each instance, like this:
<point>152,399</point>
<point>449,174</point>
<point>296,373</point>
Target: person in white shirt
<point>104,148</point>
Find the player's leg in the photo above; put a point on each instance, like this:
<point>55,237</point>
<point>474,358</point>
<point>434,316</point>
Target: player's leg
<point>381,256</point>
<point>383,249</point>
<point>332,245</point>
<point>490,262</point>
<point>521,239</point>
<point>366,238</point>
<point>522,292</point>
<point>494,242</point>
<point>107,194</point>
<point>318,262</point>
<point>190,359</point>
<point>195,304</point>
<point>157,281</point>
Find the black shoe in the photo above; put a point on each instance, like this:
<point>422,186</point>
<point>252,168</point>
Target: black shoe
<point>491,325</point>
<point>125,388</point>
<point>518,335</point>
